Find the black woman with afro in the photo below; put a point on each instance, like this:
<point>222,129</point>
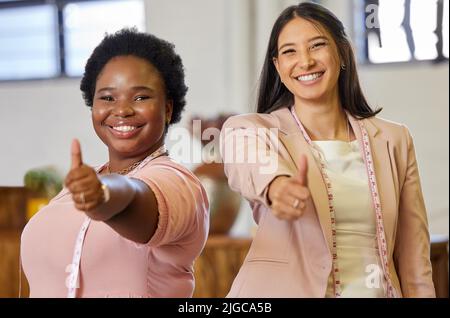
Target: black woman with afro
<point>133,226</point>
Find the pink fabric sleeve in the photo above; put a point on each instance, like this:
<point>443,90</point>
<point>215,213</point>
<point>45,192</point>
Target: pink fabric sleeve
<point>182,203</point>
<point>250,178</point>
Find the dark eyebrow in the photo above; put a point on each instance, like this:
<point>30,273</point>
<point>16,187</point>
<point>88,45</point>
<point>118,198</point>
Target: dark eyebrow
<point>105,89</point>
<point>135,88</point>
<point>319,37</point>
<point>285,44</point>
<point>142,88</point>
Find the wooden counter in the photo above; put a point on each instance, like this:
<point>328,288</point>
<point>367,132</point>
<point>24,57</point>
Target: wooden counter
<point>9,265</point>
<point>218,264</point>
<point>439,261</point>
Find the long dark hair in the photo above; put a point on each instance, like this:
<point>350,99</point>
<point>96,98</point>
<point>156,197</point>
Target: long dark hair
<point>273,94</point>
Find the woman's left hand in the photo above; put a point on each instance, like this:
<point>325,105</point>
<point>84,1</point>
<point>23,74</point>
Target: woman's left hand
<point>83,182</point>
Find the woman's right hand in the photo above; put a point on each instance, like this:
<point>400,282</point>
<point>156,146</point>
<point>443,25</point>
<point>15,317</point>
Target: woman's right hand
<point>288,195</point>
<point>83,183</point>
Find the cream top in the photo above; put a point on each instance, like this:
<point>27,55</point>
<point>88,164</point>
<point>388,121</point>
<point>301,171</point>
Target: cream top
<point>358,258</point>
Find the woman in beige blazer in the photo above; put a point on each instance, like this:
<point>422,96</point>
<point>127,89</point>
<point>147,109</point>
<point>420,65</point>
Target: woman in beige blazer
<point>334,189</point>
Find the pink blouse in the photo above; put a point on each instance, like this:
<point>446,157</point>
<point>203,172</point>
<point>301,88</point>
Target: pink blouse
<point>111,265</point>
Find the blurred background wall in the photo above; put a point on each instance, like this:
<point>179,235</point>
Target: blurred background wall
<point>222,44</point>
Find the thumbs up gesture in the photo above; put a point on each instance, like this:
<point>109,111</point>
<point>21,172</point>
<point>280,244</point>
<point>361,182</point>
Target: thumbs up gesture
<point>288,195</point>
<point>82,182</point>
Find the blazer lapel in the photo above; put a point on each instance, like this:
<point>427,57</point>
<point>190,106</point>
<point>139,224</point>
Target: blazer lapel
<point>296,145</point>
<point>381,156</point>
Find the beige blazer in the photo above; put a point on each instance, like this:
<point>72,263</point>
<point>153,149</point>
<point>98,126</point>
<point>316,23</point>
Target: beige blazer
<point>293,258</point>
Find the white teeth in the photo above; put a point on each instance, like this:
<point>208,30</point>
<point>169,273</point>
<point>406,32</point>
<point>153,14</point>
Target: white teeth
<point>124,128</point>
<point>309,77</point>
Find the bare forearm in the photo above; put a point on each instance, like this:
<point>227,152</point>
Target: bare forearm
<point>139,220</point>
<point>122,192</point>
<point>131,210</point>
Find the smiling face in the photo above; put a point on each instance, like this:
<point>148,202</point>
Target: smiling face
<point>130,107</point>
<point>308,62</point>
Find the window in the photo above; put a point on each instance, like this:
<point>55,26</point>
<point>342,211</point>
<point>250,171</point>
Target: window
<point>85,25</point>
<point>406,30</point>
<point>28,49</point>
<point>43,39</point>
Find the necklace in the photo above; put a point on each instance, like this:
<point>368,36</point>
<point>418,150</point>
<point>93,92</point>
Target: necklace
<point>158,152</point>
<point>126,170</point>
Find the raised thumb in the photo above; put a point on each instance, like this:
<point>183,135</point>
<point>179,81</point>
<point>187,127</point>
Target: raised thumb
<point>77,160</point>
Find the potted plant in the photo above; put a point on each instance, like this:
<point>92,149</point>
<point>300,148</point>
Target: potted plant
<point>43,184</point>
